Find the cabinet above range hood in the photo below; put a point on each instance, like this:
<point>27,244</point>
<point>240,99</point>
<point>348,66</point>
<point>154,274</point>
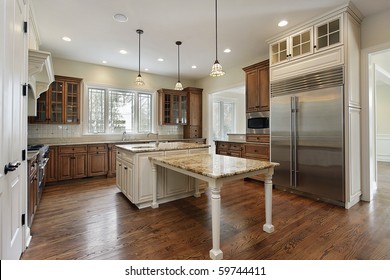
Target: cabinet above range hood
<point>40,76</point>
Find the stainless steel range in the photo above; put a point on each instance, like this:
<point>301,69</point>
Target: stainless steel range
<point>42,158</point>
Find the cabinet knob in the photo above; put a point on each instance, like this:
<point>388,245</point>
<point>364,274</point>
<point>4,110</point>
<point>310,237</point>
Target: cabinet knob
<point>314,46</point>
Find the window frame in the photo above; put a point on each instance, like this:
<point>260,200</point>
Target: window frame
<point>107,89</point>
<point>225,100</point>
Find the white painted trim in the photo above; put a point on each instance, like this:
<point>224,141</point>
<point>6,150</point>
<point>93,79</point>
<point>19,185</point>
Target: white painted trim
<point>383,147</point>
<point>368,124</point>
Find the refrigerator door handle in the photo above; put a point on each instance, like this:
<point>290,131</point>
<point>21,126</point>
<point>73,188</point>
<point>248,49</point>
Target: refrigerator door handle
<point>293,163</point>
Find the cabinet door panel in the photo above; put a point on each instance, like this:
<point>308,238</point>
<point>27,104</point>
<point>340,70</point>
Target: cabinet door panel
<point>80,165</point>
<point>97,164</point>
<point>65,166</point>
<point>252,98</point>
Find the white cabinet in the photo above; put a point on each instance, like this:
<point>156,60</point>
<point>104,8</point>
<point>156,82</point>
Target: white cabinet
<point>328,34</point>
<point>134,177</point>
<point>296,45</point>
<point>311,39</point>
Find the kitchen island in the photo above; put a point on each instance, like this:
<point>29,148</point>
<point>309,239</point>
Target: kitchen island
<point>134,170</point>
<point>215,170</point>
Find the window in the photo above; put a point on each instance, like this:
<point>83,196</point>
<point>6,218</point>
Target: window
<point>223,119</point>
<point>114,111</point>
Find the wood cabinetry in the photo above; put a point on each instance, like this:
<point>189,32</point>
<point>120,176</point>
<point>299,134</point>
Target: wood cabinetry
<point>257,87</point>
<point>193,129</point>
<point>52,165</point>
<point>258,149</point>
<point>61,103</point>
<point>111,160</point>
<point>97,159</point>
<point>32,192</point>
<point>172,107</point>
<point>72,162</point>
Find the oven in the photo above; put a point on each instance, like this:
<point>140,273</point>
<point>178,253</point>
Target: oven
<point>257,123</point>
<point>42,158</point>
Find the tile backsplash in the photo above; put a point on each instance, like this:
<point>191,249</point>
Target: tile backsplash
<point>66,133</point>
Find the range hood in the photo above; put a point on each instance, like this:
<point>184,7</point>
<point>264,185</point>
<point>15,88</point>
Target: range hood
<point>40,76</point>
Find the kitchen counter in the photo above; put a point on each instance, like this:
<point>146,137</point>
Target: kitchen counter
<point>215,170</point>
<point>62,142</point>
<point>215,166</point>
<point>152,147</point>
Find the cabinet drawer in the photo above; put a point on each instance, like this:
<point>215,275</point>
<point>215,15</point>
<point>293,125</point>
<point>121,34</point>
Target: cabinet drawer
<point>97,148</point>
<point>223,146</point>
<point>235,147</point>
<point>260,138</point>
<point>124,156</point>
<point>257,151</point>
<point>72,149</point>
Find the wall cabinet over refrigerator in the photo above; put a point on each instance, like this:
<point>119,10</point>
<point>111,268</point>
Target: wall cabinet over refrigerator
<point>334,46</point>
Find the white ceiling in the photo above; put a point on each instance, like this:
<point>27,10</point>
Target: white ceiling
<point>243,26</point>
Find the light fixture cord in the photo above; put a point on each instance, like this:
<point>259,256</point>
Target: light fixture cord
<point>216,32</point>
<point>178,62</point>
<point>139,53</point>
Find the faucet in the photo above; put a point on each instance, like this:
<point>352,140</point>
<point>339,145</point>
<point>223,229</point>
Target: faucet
<point>124,135</point>
<point>157,142</point>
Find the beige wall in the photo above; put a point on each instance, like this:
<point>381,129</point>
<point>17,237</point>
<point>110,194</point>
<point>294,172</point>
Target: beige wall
<point>382,109</point>
<point>375,30</point>
<point>110,76</point>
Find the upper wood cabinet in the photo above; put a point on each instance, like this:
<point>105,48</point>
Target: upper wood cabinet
<point>61,103</point>
<point>257,87</point>
<point>172,107</point>
<point>193,129</point>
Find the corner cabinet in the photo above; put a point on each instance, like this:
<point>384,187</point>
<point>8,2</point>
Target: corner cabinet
<point>193,128</point>
<point>60,104</point>
<point>172,107</point>
<point>257,87</point>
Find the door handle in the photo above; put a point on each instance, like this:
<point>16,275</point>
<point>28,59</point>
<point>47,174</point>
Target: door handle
<point>11,167</point>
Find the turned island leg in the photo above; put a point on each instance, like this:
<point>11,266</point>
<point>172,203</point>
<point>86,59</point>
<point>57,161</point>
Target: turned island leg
<point>216,253</point>
<point>154,175</point>
<point>268,227</point>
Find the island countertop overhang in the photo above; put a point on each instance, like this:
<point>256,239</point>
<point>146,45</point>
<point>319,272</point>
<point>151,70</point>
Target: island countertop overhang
<point>214,165</point>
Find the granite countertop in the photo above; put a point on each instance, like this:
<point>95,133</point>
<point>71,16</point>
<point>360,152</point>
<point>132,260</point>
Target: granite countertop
<point>152,147</point>
<point>62,142</point>
<point>32,154</point>
<point>214,166</point>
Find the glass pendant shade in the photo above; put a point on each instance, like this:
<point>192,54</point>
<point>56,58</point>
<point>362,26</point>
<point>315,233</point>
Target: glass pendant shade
<point>139,81</point>
<point>216,70</point>
<point>178,86</point>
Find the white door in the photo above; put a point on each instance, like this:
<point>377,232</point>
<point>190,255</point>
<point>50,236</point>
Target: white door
<point>13,183</point>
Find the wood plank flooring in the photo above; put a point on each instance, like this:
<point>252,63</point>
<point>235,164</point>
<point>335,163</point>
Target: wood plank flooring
<point>91,219</point>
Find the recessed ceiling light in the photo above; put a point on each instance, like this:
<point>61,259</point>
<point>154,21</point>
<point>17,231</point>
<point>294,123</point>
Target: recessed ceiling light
<point>282,23</point>
<point>104,61</point>
<point>120,18</point>
<point>146,69</point>
<point>123,52</point>
<point>227,50</point>
<point>193,67</point>
<point>66,39</point>
<point>160,59</point>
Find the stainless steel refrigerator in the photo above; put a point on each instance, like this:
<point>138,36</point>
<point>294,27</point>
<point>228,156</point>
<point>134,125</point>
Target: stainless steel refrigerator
<point>307,134</point>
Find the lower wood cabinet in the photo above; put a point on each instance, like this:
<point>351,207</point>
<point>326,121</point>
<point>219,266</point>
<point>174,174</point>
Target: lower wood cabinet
<point>72,162</point>
<point>32,191</point>
<point>97,160</point>
<point>51,173</point>
<point>111,160</point>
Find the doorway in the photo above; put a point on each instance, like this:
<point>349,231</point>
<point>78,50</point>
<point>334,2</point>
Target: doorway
<point>376,128</point>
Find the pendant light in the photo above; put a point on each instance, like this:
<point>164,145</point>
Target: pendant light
<point>216,69</point>
<point>138,80</point>
<point>178,85</point>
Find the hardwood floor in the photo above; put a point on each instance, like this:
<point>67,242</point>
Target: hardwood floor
<point>91,219</point>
